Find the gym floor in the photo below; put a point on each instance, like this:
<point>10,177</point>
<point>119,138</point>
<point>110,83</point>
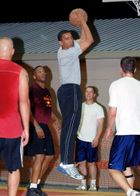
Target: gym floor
<point>61,192</point>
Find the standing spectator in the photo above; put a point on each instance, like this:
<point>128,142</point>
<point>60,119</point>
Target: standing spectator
<point>88,136</point>
<point>14,113</point>
<point>69,93</point>
<point>41,142</point>
<point>124,110</point>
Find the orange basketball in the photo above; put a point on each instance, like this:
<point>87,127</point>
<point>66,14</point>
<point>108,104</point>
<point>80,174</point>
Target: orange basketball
<point>73,17</point>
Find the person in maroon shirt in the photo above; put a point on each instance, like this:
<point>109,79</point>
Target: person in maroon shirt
<point>14,113</point>
<point>41,143</point>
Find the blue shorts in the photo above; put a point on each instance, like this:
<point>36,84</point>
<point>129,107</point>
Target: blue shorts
<point>124,152</point>
<point>85,152</point>
<point>11,151</point>
<point>137,151</point>
<point>39,146</point>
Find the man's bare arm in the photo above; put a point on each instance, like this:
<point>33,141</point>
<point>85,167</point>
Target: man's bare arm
<point>38,129</point>
<point>86,38</point>
<point>110,121</point>
<point>24,104</point>
<point>99,132</point>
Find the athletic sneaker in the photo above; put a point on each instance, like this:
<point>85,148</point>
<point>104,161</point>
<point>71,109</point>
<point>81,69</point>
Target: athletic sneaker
<point>70,170</point>
<point>82,187</point>
<point>41,193</point>
<point>73,172</point>
<point>134,193</point>
<point>92,187</point>
<point>32,192</point>
<point>61,169</point>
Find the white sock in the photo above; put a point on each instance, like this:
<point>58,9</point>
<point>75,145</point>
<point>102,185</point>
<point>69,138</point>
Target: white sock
<point>65,165</point>
<point>84,182</point>
<point>68,165</point>
<point>33,185</point>
<point>93,181</point>
<point>38,181</point>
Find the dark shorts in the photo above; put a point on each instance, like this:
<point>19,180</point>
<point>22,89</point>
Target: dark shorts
<point>11,151</point>
<point>124,152</point>
<point>85,152</point>
<point>39,146</point>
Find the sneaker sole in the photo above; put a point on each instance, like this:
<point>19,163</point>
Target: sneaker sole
<point>76,178</point>
<point>81,189</point>
<point>63,171</point>
<point>94,190</point>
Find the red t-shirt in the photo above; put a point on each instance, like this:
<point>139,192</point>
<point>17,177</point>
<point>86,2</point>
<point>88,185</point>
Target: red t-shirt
<point>10,120</point>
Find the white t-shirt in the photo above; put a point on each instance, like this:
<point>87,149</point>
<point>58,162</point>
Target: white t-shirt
<point>125,96</point>
<point>89,121</point>
<point>69,65</point>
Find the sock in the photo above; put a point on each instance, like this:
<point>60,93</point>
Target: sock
<point>129,192</point>
<point>68,165</point>
<point>38,181</point>
<point>84,182</point>
<point>93,181</point>
<point>33,185</point>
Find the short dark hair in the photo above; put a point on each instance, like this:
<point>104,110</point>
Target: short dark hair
<point>94,88</point>
<point>128,64</point>
<point>35,68</point>
<point>38,67</point>
<point>61,33</point>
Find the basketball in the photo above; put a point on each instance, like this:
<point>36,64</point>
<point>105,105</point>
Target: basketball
<point>73,16</point>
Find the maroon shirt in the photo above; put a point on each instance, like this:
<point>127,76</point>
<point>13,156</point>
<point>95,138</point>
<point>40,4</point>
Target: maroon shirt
<point>10,120</point>
<point>41,103</point>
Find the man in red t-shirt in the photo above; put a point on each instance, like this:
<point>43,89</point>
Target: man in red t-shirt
<point>14,113</point>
